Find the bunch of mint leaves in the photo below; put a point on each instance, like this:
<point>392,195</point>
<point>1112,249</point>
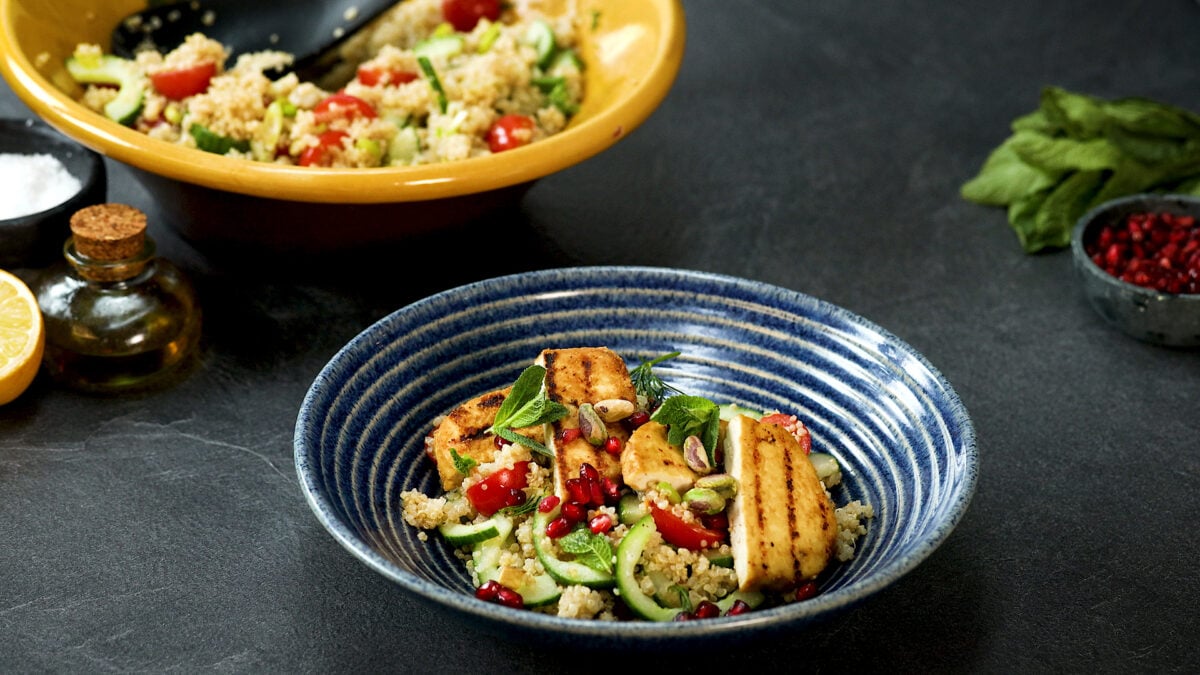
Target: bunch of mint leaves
<point>1076,152</point>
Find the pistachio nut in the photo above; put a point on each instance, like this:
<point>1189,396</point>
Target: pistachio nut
<point>591,425</point>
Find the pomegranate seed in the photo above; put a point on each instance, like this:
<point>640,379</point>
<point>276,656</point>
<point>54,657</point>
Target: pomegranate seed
<point>639,418</point>
<point>683,616</point>
<point>509,598</point>
<point>595,493</point>
<point>612,491</point>
<point>574,513</point>
<point>716,521</point>
<point>568,435</point>
<point>578,492</point>
<point>516,497</point>
<point>806,590</point>
<point>548,503</point>
<point>588,473</point>
<point>488,591</point>
<point>600,524</point>
<point>498,442</point>
<point>612,445</point>
<point>557,527</point>
<point>1152,250</point>
<point>707,610</point>
<point>738,607</point>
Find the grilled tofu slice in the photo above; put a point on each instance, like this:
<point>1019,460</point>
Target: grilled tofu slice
<point>782,526</point>
<point>574,377</point>
<point>649,459</point>
<point>465,431</point>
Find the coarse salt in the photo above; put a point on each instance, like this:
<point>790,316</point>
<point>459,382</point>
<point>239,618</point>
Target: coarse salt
<point>33,183</point>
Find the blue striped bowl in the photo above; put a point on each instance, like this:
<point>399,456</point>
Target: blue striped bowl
<point>903,437</point>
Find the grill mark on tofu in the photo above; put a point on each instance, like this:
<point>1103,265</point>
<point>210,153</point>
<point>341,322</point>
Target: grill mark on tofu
<point>489,403</point>
<point>759,509</point>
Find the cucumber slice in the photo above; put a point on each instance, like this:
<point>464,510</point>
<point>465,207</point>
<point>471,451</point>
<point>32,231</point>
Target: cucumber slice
<point>215,143</point>
<point>114,70</point>
<point>539,590</point>
<point>564,571</point>
<point>540,36</point>
<point>718,558</point>
<point>405,146</point>
<point>730,410</point>
<point>439,47</point>
<point>266,137</point>
<point>464,534</point>
<point>630,509</point>
<point>628,555</point>
<point>827,468</point>
<point>752,598</point>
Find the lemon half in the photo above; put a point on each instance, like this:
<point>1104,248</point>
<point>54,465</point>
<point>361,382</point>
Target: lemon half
<point>22,337</point>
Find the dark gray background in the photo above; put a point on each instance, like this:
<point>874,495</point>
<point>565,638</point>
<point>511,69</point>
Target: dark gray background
<point>819,146</point>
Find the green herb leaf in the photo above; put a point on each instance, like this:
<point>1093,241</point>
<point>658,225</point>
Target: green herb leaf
<point>647,383</point>
<point>462,464</point>
<point>525,406</point>
<point>691,416</point>
<point>593,550</point>
<point>520,439</point>
<point>1076,151</point>
<point>685,599</point>
<point>521,509</point>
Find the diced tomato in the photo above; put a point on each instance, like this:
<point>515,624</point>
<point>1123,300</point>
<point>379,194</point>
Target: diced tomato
<point>321,154</point>
<point>376,75</point>
<point>794,427</point>
<point>180,83</point>
<point>464,14</point>
<point>678,532</point>
<point>342,106</point>
<point>510,131</point>
<point>493,493</point>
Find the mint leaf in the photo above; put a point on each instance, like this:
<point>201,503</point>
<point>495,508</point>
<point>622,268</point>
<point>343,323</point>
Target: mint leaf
<point>520,439</point>
<point>593,550</point>
<point>690,416</point>
<point>1005,177</point>
<point>525,389</point>
<point>525,406</point>
<point>462,464</point>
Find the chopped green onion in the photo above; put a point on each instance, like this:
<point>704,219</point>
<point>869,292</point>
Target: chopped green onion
<point>489,38</point>
<point>431,75</point>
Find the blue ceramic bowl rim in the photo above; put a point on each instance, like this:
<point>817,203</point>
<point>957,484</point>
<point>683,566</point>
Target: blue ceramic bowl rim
<point>635,633</point>
<point>1094,215</point>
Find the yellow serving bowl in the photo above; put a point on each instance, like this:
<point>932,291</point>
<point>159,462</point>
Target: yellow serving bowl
<point>632,57</point>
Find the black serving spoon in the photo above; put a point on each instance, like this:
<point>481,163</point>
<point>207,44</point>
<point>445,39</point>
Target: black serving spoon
<point>307,29</point>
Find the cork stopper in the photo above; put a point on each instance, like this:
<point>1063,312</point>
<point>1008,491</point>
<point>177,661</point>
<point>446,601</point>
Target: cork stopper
<point>109,232</point>
<point>109,242</point>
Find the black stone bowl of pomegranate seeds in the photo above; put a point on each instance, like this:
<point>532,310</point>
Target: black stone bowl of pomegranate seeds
<point>1139,260</point>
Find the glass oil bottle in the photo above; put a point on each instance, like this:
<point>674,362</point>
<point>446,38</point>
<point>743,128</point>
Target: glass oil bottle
<point>117,317</point>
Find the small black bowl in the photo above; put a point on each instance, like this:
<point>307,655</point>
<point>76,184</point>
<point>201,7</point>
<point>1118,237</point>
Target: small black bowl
<point>1156,317</point>
<point>36,239</point>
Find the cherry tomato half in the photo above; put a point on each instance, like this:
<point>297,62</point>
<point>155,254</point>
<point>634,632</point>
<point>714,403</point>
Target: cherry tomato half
<point>679,532</point>
<point>493,493</point>
<point>510,131</point>
<point>341,106</point>
<point>181,83</point>
<point>376,75</point>
<point>794,427</point>
<point>321,154</point>
<point>464,14</point>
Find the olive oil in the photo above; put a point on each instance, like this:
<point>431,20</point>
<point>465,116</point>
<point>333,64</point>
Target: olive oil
<point>117,317</point>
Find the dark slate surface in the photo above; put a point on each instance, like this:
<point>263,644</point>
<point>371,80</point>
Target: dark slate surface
<point>814,145</point>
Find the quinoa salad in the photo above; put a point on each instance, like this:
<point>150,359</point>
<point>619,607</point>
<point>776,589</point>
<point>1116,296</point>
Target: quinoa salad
<point>433,83</point>
<point>592,490</point>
